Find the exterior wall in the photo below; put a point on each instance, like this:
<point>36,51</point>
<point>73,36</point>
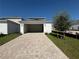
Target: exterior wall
<point>3,28</point>
<point>47,28</point>
<point>13,27</point>
<point>22,28</point>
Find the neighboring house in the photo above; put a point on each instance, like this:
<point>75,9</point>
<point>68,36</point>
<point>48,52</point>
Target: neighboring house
<point>75,25</point>
<point>11,25</point>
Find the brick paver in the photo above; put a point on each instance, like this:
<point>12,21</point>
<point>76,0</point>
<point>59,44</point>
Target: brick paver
<point>31,46</point>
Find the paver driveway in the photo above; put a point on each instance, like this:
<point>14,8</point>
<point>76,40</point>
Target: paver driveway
<point>31,46</point>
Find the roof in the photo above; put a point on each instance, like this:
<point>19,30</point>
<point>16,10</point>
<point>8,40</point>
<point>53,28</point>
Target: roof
<point>48,22</point>
<point>28,21</point>
<point>36,18</point>
<point>33,22</point>
<point>4,18</point>
<point>6,21</point>
<point>3,21</point>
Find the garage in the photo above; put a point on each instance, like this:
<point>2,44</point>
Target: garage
<point>34,27</point>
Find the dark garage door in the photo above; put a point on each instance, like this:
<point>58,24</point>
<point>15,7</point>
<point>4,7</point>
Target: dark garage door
<point>35,28</point>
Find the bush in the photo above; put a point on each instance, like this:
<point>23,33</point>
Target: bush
<point>1,35</point>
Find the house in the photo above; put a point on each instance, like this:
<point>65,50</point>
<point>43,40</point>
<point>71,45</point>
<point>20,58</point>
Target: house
<point>75,25</point>
<point>11,25</point>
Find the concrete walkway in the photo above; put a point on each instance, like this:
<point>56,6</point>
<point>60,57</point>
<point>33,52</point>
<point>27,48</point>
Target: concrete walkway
<point>31,46</point>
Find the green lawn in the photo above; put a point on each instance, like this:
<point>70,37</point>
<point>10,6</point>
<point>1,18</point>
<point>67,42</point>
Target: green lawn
<point>69,46</point>
<point>6,38</point>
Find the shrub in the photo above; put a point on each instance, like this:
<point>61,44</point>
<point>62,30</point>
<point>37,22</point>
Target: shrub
<point>1,35</point>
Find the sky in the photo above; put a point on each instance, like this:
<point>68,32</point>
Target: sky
<point>38,8</point>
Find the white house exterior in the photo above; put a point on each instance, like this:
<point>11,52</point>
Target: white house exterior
<point>11,25</point>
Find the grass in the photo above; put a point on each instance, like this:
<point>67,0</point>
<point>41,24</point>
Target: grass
<point>6,38</point>
<point>69,46</point>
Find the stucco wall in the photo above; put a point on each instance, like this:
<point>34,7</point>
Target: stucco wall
<point>47,28</point>
<point>3,28</point>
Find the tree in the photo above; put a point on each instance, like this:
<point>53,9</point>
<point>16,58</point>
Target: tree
<point>62,22</point>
